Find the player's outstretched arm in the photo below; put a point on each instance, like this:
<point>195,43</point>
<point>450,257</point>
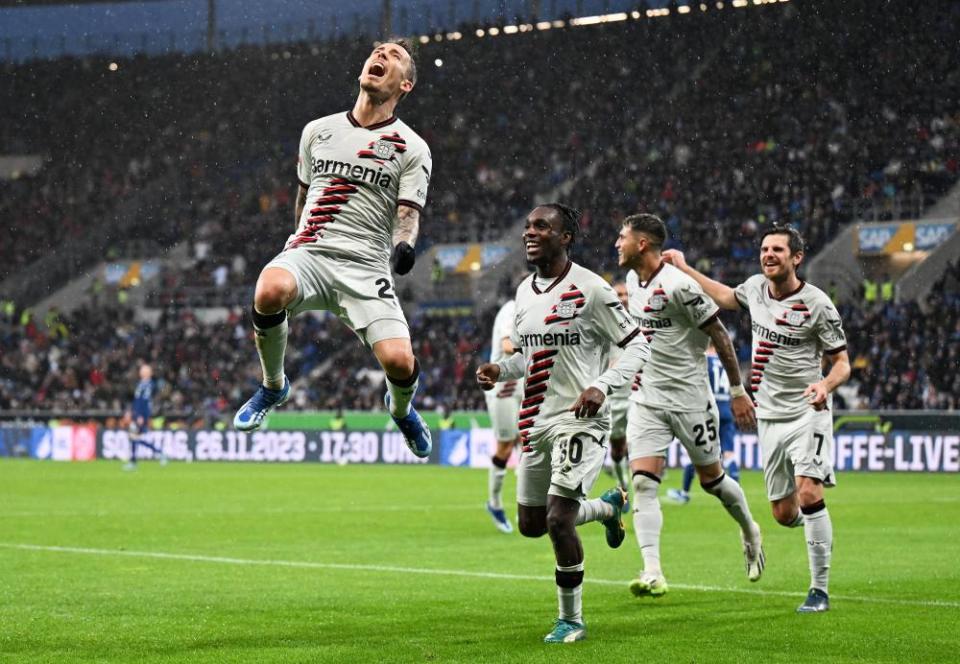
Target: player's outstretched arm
<point>741,404</point>
<point>722,294</point>
<point>301,200</point>
<point>405,233</point>
<point>491,373</point>
<point>817,393</point>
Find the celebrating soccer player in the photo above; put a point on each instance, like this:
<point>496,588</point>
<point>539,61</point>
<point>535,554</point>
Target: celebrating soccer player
<point>566,320</point>
<point>363,178</point>
<point>794,325</point>
<point>674,399</point>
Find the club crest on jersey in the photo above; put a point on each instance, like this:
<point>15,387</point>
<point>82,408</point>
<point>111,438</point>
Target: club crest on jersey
<point>657,302</point>
<point>795,316</point>
<point>384,149</point>
<point>566,309</point>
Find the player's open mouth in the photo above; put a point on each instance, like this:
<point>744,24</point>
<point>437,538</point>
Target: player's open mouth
<point>377,69</point>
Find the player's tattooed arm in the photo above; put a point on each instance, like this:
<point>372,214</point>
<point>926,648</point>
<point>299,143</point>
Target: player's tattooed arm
<point>740,403</point>
<point>407,227</point>
<point>298,207</point>
<point>405,233</point>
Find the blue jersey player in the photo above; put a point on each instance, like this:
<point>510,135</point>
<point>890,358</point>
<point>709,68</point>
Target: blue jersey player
<point>720,385</point>
<point>141,409</point>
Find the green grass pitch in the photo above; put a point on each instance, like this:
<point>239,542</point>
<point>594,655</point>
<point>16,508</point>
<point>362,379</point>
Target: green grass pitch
<point>308,563</point>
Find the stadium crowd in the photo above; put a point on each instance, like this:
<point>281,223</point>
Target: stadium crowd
<point>87,361</point>
<point>902,358</point>
<point>728,133</point>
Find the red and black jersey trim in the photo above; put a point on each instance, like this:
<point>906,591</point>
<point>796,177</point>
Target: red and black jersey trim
<point>650,278</point>
<point>507,390</point>
<point>410,204</point>
<point>834,351</point>
<point>376,125</point>
<point>627,339</point>
<point>538,376</point>
<point>715,316</point>
<point>762,355</point>
<point>563,274</point>
<point>785,296</point>
<point>324,211</point>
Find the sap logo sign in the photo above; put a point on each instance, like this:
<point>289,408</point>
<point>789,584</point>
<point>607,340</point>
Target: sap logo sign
<point>876,238</point>
<point>930,235</point>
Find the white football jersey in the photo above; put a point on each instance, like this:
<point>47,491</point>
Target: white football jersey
<point>790,336</point>
<point>565,331</point>
<point>503,329</point>
<point>671,310</point>
<point>355,178</point>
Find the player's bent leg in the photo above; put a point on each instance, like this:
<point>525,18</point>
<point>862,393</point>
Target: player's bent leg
<point>786,511</point>
<point>561,524</point>
<point>647,524</point>
<point>403,376</point>
<point>532,520</point>
<point>717,483</point>
<point>276,288</point>
<point>818,530</point>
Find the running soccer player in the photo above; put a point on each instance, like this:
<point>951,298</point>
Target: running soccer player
<point>619,404</point>
<point>363,178</point>
<point>720,386</point>
<point>141,410</point>
<point>503,404</point>
<point>567,318</point>
<point>674,399</point>
<point>794,325</point>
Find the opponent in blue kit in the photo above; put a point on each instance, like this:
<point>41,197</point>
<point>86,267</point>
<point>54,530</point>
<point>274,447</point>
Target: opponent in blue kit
<point>720,386</point>
<point>141,410</point>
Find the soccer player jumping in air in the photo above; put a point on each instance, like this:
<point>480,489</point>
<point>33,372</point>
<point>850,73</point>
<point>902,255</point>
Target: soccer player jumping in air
<point>794,326</point>
<point>674,399</point>
<point>363,178</point>
<point>567,318</point>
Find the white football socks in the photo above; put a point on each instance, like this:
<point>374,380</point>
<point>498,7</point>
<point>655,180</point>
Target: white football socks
<point>594,510</point>
<point>647,520</point>
<point>270,335</point>
<point>818,529</point>
<point>731,497</point>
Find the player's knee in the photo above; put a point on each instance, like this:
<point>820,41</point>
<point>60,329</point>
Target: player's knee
<point>786,514</point>
<point>809,495</point>
<point>560,524</point>
<point>531,526</point>
<point>645,486</point>
<point>273,295</point>
<point>397,363</point>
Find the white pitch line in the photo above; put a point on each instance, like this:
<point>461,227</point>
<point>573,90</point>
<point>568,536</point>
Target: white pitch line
<point>448,572</point>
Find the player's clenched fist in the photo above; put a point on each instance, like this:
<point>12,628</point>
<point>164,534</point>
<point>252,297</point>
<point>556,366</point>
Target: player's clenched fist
<point>589,403</point>
<point>675,258</point>
<point>487,375</point>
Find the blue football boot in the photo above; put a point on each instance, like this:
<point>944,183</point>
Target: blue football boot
<point>251,414</point>
<point>616,497</point>
<point>415,431</point>
<point>817,602</point>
